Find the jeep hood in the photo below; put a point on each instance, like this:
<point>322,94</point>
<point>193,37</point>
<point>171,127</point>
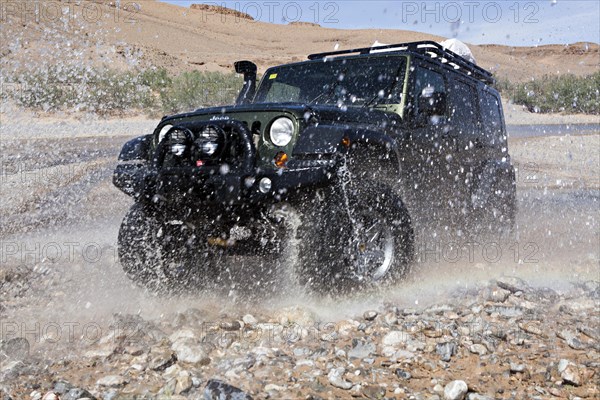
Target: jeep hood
<point>321,113</point>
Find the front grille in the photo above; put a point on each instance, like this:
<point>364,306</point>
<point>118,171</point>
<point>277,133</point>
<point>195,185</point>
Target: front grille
<point>202,144</point>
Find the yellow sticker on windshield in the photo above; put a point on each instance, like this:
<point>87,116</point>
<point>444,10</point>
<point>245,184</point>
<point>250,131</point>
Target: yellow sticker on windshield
<point>272,76</point>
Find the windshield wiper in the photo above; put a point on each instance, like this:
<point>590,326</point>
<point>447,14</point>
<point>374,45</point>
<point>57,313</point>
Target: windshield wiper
<point>327,93</point>
<point>389,89</point>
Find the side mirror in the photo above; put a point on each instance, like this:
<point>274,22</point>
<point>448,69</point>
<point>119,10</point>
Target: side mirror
<point>244,67</point>
<point>248,68</point>
<point>432,104</point>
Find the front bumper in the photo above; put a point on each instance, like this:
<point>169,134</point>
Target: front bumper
<point>210,185</point>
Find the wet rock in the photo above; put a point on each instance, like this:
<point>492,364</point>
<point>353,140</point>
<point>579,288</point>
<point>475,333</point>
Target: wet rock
<point>11,368</point>
<point>370,315</point>
<point>271,387</point>
<point>589,332</point>
<point>556,392</point>
<point>183,382</point>
<point>183,334</point>
<point>504,311</point>
<point>476,396</point>
<point>402,374</point>
<point>346,328</point>
<point>168,389</point>
<point>361,349</point>
<point>112,381</point>
<point>230,325</point>
<point>496,294</point>
<point>446,350</point>
<point>190,351</point>
<point>478,348</point>
<point>249,319</point>
<point>395,338</point>
<point>532,327</point>
<point>161,358</point>
<point>512,284</point>
<point>77,394</point>
<point>16,349</point>
<point>132,330</point>
<point>218,390</point>
<point>402,355</point>
<point>374,392</point>
<point>4,395</point>
<point>390,319</point>
<point>517,368</point>
<point>569,372</point>
<point>102,352</point>
<point>455,390</point>
<point>545,295</point>
<point>295,315</point>
<point>336,378</point>
<point>61,386</point>
<point>571,338</point>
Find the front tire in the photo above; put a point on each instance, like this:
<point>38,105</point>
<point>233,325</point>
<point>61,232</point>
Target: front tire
<point>162,254</point>
<point>359,237</point>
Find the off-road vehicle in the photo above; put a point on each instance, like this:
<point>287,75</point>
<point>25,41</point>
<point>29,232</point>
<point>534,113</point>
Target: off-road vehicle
<point>348,155</point>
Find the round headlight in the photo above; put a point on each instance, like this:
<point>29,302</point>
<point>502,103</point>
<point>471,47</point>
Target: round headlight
<point>163,132</point>
<point>281,131</point>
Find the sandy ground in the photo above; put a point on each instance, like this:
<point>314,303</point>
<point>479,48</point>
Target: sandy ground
<point>60,216</point>
<point>61,282</point>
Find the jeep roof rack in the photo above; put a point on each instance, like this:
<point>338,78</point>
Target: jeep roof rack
<point>425,47</point>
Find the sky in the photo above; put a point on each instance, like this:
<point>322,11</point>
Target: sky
<point>508,22</point>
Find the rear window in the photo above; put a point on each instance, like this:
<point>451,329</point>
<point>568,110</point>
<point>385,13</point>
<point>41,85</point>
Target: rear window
<point>463,109</point>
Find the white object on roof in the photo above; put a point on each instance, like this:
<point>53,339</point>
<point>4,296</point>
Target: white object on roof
<point>454,45</point>
<point>459,48</point>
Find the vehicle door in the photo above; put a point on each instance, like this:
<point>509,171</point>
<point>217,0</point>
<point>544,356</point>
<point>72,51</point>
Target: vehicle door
<point>464,139</point>
<point>427,113</point>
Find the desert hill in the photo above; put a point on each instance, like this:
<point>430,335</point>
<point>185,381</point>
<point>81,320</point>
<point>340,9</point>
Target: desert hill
<point>179,38</point>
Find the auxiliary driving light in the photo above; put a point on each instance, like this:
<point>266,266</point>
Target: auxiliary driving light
<point>265,185</point>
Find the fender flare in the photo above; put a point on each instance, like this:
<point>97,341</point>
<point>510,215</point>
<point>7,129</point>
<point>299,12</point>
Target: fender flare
<point>486,177</point>
<point>366,140</point>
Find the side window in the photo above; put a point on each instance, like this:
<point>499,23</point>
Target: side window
<point>463,108</point>
<point>428,84</point>
<point>491,116</point>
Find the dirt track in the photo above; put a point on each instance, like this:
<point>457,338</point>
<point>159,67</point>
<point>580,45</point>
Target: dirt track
<point>60,215</point>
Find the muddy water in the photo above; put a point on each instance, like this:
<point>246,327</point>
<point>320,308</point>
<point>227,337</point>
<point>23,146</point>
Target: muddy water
<point>60,216</point>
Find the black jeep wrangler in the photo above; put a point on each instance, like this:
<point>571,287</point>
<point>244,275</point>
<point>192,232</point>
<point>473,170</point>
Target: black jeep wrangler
<point>351,157</point>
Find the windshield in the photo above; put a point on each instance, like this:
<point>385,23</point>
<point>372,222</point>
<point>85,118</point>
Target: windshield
<point>348,82</point>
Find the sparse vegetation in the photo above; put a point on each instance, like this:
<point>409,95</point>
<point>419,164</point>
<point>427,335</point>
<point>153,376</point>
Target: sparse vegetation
<point>155,91</point>
<point>564,93</point>
<point>111,92</point>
